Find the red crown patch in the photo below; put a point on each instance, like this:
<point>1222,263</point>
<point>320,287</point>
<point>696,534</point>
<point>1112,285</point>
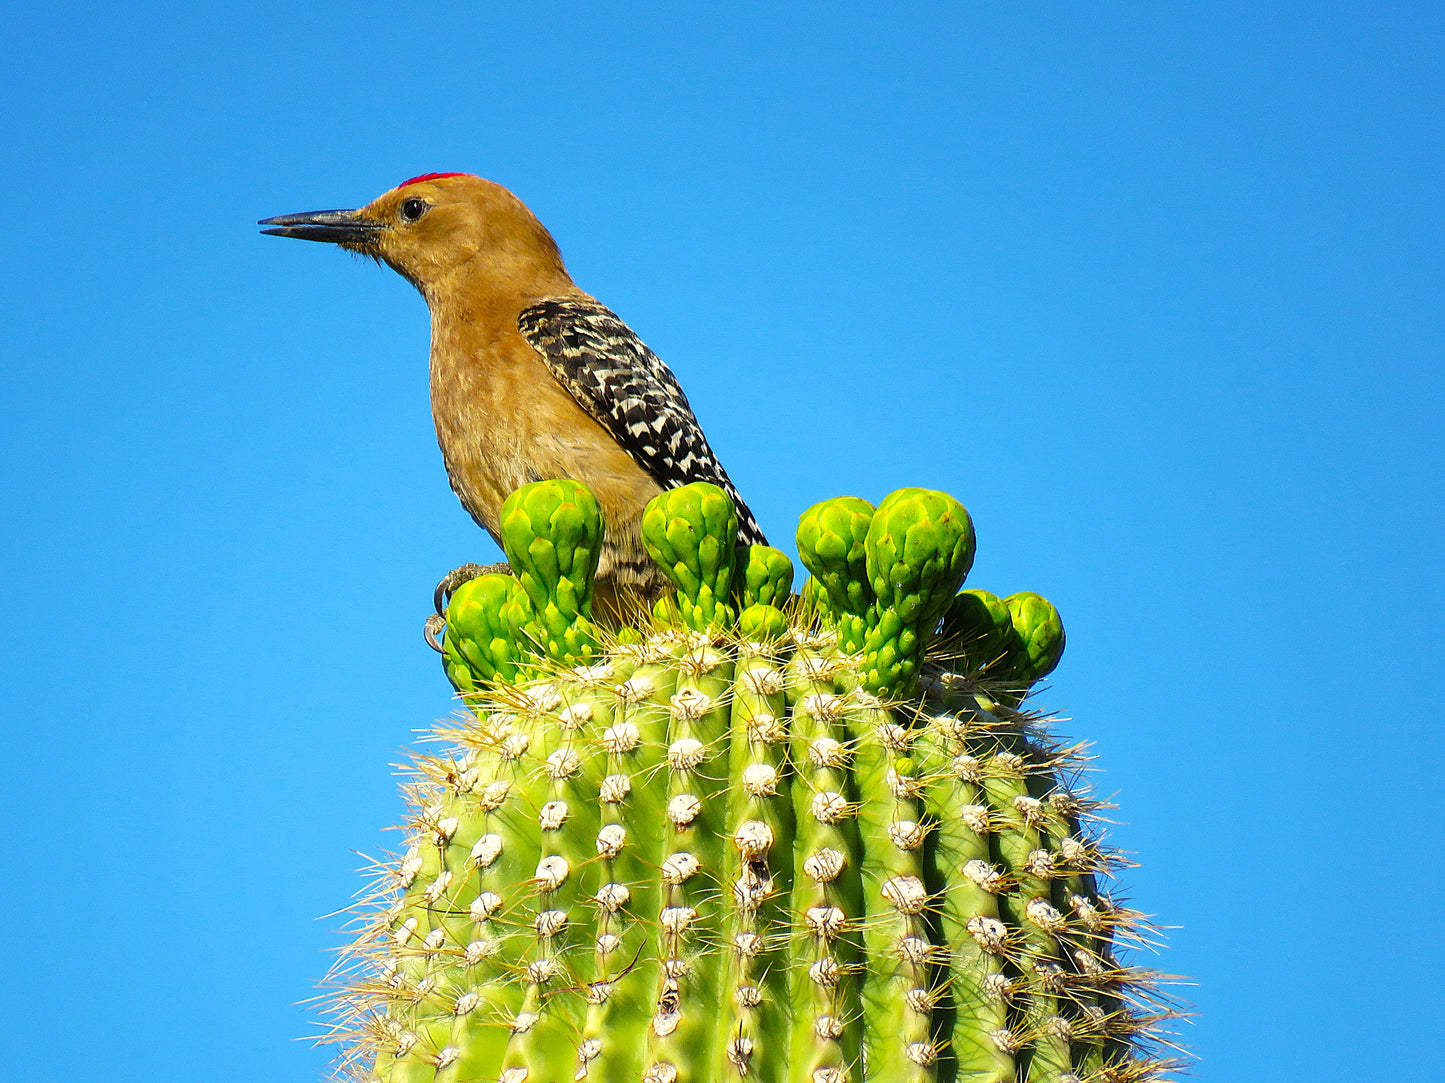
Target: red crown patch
<point>431,176</point>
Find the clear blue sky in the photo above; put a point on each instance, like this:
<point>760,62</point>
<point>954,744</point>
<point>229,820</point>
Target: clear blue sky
<point>1154,288</point>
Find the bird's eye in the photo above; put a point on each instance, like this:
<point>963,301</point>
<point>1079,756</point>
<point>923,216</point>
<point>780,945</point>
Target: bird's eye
<point>413,208</point>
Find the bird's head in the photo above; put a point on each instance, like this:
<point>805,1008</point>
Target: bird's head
<point>437,229</point>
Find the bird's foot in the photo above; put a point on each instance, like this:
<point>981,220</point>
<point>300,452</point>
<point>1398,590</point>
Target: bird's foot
<point>457,576</point>
<point>450,582</point>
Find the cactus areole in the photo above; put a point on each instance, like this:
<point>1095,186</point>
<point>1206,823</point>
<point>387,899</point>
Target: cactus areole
<point>791,838</point>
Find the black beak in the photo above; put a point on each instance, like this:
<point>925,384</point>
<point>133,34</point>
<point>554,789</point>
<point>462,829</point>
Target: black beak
<point>337,227</point>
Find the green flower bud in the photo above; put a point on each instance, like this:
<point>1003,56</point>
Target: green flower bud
<point>490,632</point>
<point>765,576</point>
<point>1039,635</point>
<point>762,623</point>
<point>831,537</point>
<point>978,630</point>
<point>691,532</point>
<point>552,533</point>
<point>919,548</point>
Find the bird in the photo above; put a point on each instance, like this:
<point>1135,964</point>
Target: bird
<point>531,378</point>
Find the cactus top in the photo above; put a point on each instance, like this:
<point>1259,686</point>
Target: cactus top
<point>705,851</point>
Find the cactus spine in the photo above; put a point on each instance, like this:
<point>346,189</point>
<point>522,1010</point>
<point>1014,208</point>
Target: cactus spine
<point>786,838</point>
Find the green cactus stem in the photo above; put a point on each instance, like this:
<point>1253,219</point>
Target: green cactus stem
<point>828,913</point>
<point>758,871</point>
<point>626,968</point>
<point>765,838</point>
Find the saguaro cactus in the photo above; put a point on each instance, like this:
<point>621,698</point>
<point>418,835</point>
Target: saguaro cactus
<point>764,837</point>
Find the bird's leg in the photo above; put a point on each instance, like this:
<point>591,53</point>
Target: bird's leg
<point>435,622</point>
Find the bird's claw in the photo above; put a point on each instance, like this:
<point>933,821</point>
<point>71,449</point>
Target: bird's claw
<point>435,625</point>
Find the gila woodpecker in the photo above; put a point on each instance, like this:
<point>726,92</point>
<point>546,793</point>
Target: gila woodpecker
<point>531,378</point>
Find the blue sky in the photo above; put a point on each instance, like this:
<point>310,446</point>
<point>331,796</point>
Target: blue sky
<point>1155,289</point>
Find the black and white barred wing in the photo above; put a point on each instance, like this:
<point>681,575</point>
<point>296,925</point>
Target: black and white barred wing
<point>631,393</point>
